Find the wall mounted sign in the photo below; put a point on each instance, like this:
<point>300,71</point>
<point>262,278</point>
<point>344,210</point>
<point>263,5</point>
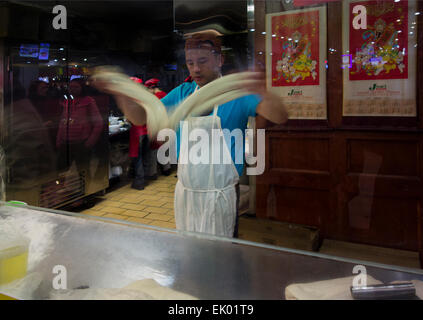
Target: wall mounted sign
<point>381,78</point>
<point>296,61</point>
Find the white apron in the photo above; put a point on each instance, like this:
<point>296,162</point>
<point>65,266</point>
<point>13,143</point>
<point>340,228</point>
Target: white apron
<point>205,195</point>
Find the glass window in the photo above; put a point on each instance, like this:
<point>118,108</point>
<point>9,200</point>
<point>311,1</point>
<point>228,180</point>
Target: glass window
<point>340,176</point>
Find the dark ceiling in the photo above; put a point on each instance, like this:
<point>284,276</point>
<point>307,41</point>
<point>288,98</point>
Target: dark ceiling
<point>141,26</point>
<point>115,25</point>
<point>144,13</point>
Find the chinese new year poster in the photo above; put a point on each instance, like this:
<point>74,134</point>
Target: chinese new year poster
<point>382,74</point>
<point>296,54</point>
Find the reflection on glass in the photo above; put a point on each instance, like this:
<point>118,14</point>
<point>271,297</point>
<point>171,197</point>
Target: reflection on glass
<point>80,123</point>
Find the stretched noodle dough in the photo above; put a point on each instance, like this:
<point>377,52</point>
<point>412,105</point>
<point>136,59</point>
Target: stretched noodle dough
<point>119,84</point>
<point>217,92</point>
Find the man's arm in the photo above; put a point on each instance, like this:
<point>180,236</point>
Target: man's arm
<point>131,110</point>
<point>272,109</point>
<point>137,115</point>
<point>262,123</point>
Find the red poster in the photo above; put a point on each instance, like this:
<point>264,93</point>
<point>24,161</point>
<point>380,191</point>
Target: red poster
<point>295,49</point>
<point>380,51</point>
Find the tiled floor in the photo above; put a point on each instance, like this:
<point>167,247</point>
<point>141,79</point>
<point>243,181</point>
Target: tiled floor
<point>151,206</point>
<point>154,206</point>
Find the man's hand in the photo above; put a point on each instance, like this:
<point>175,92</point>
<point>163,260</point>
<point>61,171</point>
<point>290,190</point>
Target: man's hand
<point>132,111</point>
<point>259,86</point>
<point>271,106</point>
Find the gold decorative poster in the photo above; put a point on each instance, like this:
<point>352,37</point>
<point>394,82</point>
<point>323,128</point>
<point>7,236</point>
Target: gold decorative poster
<point>379,60</point>
<point>296,61</point>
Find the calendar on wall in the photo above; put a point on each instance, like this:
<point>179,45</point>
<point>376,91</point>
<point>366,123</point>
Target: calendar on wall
<point>379,61</point>
<point>296,61</point>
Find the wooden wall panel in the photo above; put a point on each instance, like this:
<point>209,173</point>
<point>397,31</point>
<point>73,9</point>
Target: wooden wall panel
<point>384,157</point>
<point>419,93</point>
<point>354,186</point>
<point>259,38</point>
<point>334,74</point>
<point>301,206</point>
<point>385,186</point>
<point>262,191</point>
<point>299,153</point>
<point>382,221</point>
<point>297,182</point>
<point>297,179</point>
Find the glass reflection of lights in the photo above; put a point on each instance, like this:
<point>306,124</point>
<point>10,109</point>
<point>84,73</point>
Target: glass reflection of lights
<point>346,61</point>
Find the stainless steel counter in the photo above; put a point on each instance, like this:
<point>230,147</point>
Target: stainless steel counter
<point>100,254</point>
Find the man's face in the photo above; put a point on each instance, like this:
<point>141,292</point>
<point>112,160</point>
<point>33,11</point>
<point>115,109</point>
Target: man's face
<point>203,65</point>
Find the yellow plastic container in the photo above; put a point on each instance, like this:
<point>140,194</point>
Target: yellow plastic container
<point>13,254</point>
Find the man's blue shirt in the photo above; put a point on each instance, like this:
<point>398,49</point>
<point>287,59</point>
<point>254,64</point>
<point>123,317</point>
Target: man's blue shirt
<point>233,115</point>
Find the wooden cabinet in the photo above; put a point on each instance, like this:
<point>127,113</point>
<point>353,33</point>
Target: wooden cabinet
<point>354,186</point>
<point>357,179</point>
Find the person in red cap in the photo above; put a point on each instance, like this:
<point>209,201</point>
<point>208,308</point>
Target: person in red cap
<point>153,86</point>
<point>143,157</point>
<point>135,79</point>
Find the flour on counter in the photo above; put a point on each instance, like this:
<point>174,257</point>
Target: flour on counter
<point>40,233</point>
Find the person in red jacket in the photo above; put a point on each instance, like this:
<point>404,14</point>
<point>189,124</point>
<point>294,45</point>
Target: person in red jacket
<point>144,158</point>
<point>48,107</point>
<point>80,125</point>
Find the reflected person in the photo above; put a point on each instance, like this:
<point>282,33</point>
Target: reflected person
<point>30,156</point>
<point>80,126</point>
